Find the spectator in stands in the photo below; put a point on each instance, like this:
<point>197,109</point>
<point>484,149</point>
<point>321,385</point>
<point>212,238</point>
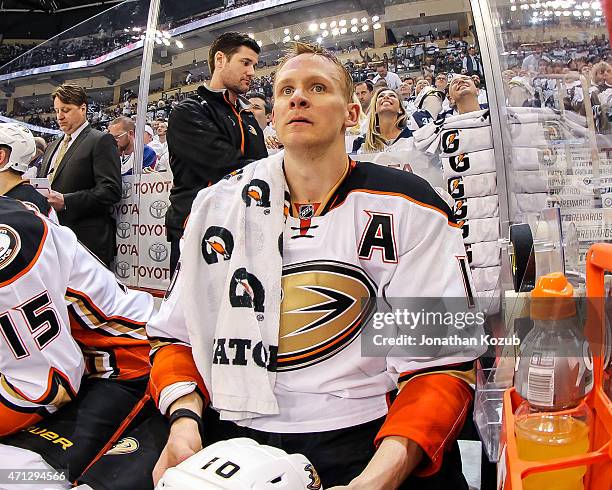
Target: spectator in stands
<point>41,146</point>
<point>441,82</point>
<point>364,92</point>
<point>123,130</point>
<point>212,134</point>
<point>531,62</point>
<point>463,94</point>
<point>482,93</point>
<point>160,146</point>
<point>392,79</point>
<point>262,110</point>
<point>409,83</point>
<point>471,63</point>
<point>386,123</point>
<point>84,168</point>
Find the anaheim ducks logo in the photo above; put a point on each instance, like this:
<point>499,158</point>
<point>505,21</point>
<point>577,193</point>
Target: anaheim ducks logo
<point>450,141</point>
<point>127,445</point>
<point>257,191</point>
<point>246,291</point>
<point>315,480</point>
<point>324,308</point>
<point>217,242</point>
<point>460,209</point>
<point>10,244</point>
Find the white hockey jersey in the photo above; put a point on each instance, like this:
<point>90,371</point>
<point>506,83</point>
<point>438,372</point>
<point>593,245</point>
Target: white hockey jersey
<point>381,233</point>
<point>62,315</point>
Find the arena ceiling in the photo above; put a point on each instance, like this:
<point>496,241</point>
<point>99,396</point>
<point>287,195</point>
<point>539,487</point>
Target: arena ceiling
<point>52,6</point>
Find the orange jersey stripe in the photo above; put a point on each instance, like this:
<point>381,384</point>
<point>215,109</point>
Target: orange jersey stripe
<point>12,421</point>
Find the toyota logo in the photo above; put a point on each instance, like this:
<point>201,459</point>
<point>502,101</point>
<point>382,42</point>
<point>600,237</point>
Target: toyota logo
<point>158,252</point>
<point>158,209</point>
<point>122,269</point>
<point>123,229</point>
<point>126,190</point>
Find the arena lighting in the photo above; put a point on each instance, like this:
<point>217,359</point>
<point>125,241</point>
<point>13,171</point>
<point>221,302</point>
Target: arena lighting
<point>335,31</point>
<point>323,25</point>
<point>365,27</point>
<point>364,20</point>
<point>566,13</point>
<point>286,31</point>
<point>376,26</point>
<point>166,34</point>
<point>179,45</point>
<point>158,41</point>
<point>598,13</point>
<point>376,18</point>
<point>319,39</point>
<point>296,37</point>
<point>136,29</point>
<point>313,27</point>
<point>343,30</point>
<point>333,24</point>
<point>354,21</point>
<point>513,8</point>
<point>260,43</point>
<point>166,41</point>
<point>586,13</point>
<point>596,5</point>
<point>354,29</point>
<point>342,22</point>
<point>286,39</point>
<point>325,34</point>
<point>577,13</point>
<point>557,13</point>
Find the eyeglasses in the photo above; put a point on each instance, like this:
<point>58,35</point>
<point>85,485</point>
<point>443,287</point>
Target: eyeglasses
<point>120,135</point>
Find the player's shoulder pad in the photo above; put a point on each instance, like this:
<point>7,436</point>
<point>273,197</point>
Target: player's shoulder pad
<point>22,236</point>
<point>379,179</point>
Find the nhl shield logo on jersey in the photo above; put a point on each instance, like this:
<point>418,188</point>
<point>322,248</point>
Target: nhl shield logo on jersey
<point>217,242</point>
<point>127,445</point>
<point>10,244</point>
<point>257,191</point>
<point>324,308</point>
<point>306,211</point>
<point>246,291</point>
<point>450,141</point>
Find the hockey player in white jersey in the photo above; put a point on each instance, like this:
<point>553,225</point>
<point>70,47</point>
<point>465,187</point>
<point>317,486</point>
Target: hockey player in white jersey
<point>74,354</point>
<point>322,233</point>
<point>17,148</point>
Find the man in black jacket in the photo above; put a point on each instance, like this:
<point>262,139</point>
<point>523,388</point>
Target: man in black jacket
<point>213,133</point>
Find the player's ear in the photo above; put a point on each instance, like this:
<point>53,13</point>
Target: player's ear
<point>353,110</point>
<point>272,118</point>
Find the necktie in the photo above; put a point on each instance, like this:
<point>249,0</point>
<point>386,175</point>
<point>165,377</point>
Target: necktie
<point>60,155</point>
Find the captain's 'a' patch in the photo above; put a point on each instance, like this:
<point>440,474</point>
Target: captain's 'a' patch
<point>379,235</point>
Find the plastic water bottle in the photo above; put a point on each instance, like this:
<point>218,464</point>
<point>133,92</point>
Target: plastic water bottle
<point>554,373</point>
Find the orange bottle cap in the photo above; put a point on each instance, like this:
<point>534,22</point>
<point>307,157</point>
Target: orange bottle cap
<point>552,298</point>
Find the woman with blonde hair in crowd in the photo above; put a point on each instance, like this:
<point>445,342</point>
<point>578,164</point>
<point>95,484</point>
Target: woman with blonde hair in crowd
<point>386,123</point>
<point>601,81</point>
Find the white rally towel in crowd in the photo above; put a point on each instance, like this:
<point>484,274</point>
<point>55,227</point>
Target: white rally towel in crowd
<point>476,207</point>
<point>476,162</point>
<point>472,186</point>
<point>484,254</point>
<point>235,289</point>
<point>480,230</point>
<point>538,158</point>
<point>457,134</point>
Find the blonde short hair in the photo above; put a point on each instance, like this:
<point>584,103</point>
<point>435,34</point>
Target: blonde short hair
<point>299,48</point>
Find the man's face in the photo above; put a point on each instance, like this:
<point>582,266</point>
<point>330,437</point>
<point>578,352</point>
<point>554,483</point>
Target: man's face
<point>441,82</point>
<point>405,89</point>
<point>236,73</point>
<point>364,95</point>
<point>462,86</point>
<point>382,71</point>
<point>147,138</point>
<point>155,125</point>
<point>476,80</point>
<point>420,85</point>
<point>162,128</point>
<point>70,117</point>
<point>258,108</point>
<point>122,136</point>
<point>310,108</point>
<point>472,51</point>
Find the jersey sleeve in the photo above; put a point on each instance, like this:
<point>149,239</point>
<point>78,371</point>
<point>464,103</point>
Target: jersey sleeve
<point>173,372</point>
<point>108,319</point>
<point>435,389</point>
<point>41,365</point>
